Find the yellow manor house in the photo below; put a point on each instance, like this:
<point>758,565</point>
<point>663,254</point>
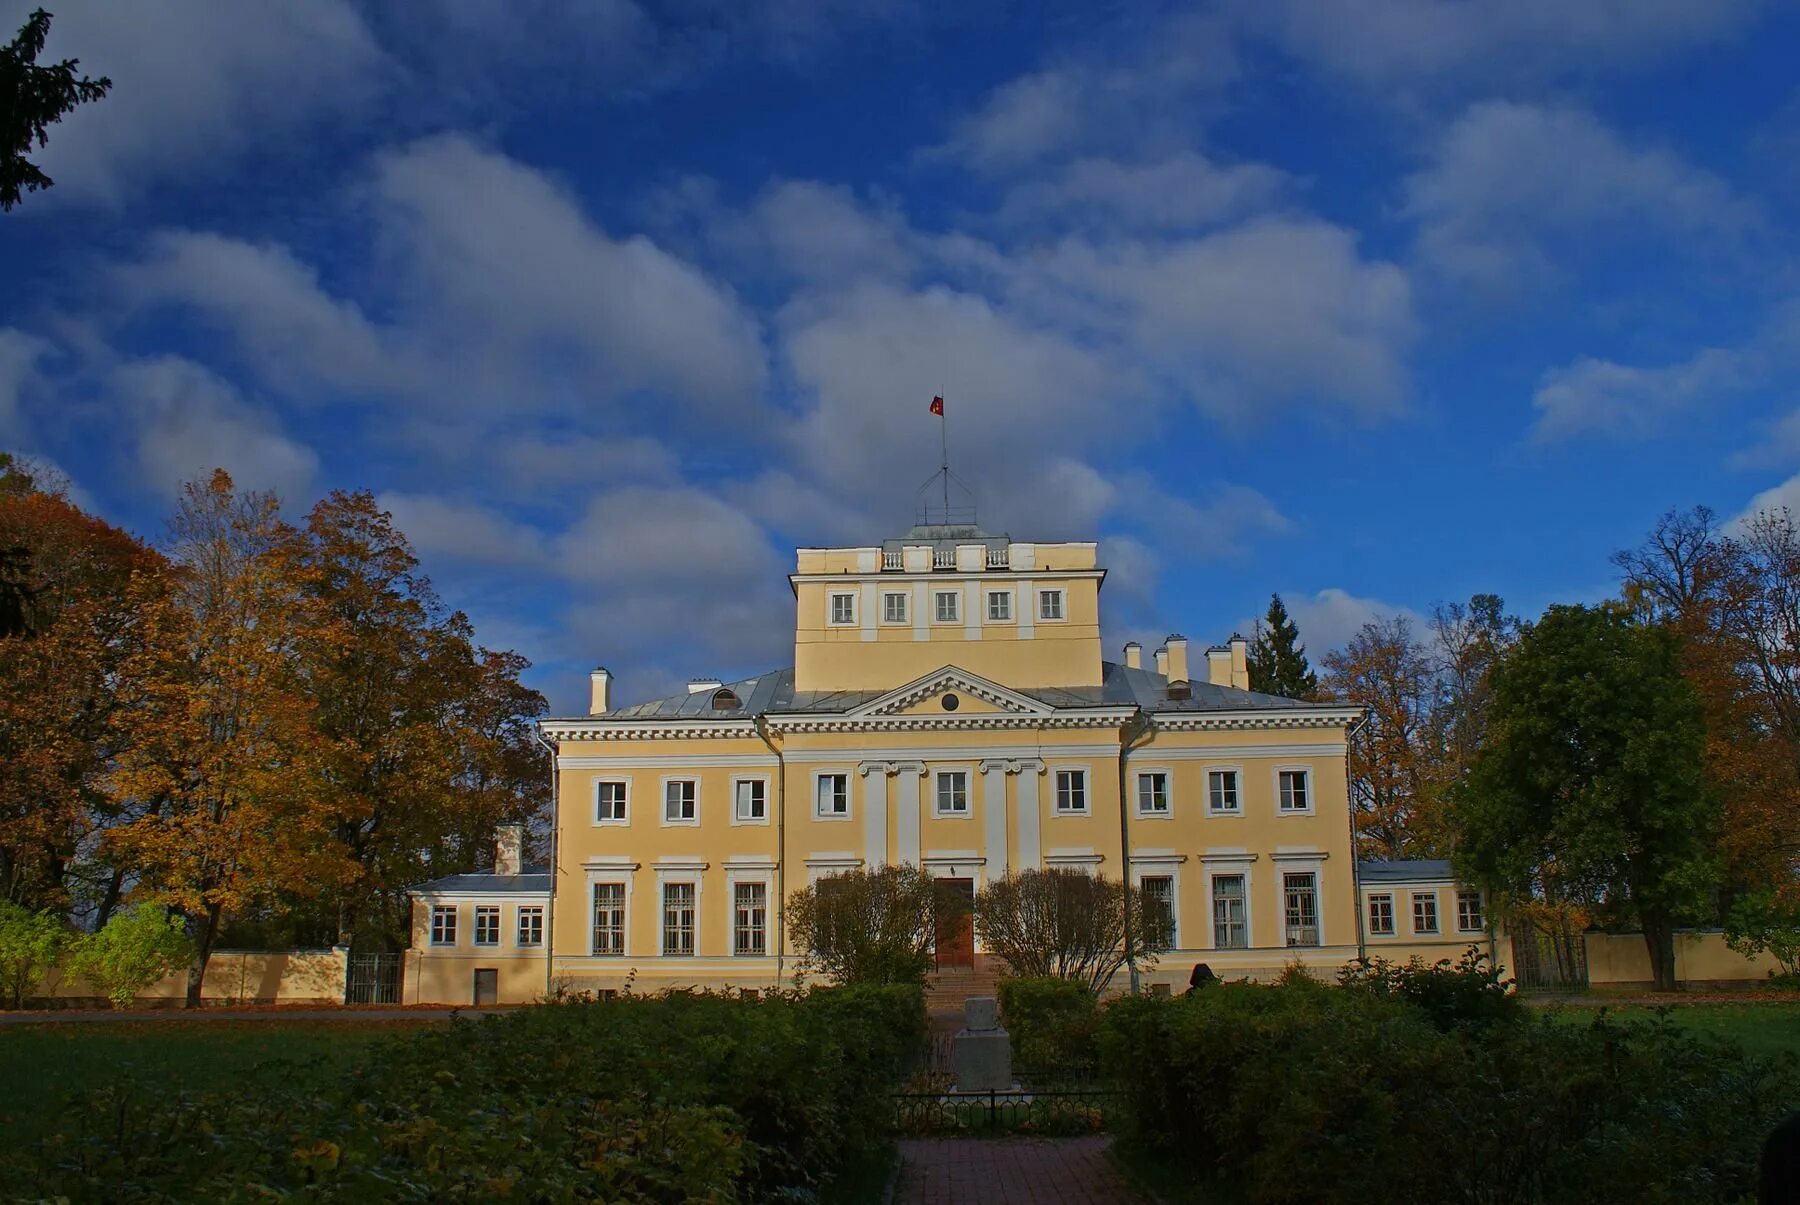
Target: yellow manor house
<point>948,707</point>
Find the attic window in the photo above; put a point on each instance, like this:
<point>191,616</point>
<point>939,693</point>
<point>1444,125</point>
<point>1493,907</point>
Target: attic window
<point>725,700</point>
<point>1180,690</point>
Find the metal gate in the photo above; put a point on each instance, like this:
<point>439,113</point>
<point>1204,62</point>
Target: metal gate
<point>375,978</point>
<point>1546,962</point>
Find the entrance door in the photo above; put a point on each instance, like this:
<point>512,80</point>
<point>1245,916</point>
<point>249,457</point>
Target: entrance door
<point>487,986</point>
<point>955,923</point>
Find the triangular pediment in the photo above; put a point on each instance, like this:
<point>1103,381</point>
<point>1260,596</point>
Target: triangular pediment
<point>975,694</point>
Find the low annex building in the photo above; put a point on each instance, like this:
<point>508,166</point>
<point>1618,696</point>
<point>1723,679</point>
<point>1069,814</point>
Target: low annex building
<point>948,706</point>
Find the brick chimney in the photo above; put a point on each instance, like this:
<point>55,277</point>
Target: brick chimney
<point>509,849</point>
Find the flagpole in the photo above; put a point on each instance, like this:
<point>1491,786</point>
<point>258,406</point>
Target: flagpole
<point>944,467</point>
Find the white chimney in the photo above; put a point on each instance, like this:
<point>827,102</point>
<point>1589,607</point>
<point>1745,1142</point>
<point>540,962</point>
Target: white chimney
<point>1162,661</point>
<point>1240,661</point>
<point>1134,655</point>
<point>1178,663</point>
<point>1218,665</point>
<point>600,691</point>
<point>509,849</point>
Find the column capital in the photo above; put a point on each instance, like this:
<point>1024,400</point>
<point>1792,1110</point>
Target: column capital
<point>1012,765</point>
<point>890,768</point>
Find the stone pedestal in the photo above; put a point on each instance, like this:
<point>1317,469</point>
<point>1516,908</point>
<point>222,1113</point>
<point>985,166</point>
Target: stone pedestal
<point>983,1051</point>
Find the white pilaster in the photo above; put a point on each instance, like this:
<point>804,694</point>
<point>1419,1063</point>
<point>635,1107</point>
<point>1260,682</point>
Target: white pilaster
<point>875,796</point>
<point>870,614</point>
<point>993,816</point>
<point>973,616</point>
<point>906,813</point>
<point>921,617</point>
<point>1030,842</point>
<point>1025,607</point>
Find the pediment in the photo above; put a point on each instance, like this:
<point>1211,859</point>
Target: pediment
<point>975,694</point>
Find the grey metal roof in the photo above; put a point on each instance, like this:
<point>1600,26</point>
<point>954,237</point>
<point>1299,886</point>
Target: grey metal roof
<point>535,878</point>
<point>773,693</point>
<point>1407,871</point>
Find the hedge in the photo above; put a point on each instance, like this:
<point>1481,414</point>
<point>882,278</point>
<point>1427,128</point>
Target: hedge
<point>677,1098</point>
<point>1304,1092</point>
<point>1052,1022</point>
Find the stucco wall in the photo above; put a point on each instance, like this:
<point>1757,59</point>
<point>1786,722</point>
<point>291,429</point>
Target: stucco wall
<point>234,977</point>
<point>1700,957</point>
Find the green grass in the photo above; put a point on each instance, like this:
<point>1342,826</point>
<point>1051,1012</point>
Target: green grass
<point>43,1066</point>
<point>1760,1028</point>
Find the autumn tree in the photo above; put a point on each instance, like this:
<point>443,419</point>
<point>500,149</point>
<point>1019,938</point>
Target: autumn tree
<point>1394,757</point>
<point>68,626</point>
<point>34,97</point>
<point>223,751</point>
<point>1277,659</point>
<point>1589,787</point>
<point>867,926</point>
<point>1067,924</point>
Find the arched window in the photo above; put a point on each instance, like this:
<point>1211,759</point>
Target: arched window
<point>725,700</point>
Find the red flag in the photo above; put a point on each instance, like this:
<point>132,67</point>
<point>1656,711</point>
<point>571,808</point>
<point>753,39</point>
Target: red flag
<point>937,406</point>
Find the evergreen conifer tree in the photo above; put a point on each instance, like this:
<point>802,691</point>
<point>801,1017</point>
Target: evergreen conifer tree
<point>1278,663</point>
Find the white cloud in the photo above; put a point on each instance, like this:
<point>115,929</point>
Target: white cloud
<point>459,530</point>
<point>1328,619</point>
<point>189,421</point>
<point>1600,397</point>
<point>1512,189</point>
<point>19,355</point>
<point>1181,191</point>
<point>196,82</point>
<point>1786,495</point>
<point>1388,44</point>
<point>554,460</point>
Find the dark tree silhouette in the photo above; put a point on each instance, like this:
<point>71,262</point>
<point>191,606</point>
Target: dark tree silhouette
<point>32,99</point>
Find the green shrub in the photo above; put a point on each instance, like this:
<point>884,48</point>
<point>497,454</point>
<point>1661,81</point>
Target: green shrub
<point>685,1097</point>
<point>1767,921</point>
<point>138,946</point>
<point>30,945</point>
<point>1052,1022</point>
<point>1468,992</point>
<point>1304,1092</point>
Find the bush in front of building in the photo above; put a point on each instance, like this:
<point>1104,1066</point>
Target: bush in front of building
<point>1306,1092</point>
<point>1052,1022</point>
<point>1067,924</point>
<point>867,926</point>
<point>1470,991</point>
<point>673,1098</point>
<point>31,944</point>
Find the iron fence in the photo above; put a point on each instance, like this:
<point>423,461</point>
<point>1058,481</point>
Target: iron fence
<point>374,978</point>
<point>1067,1111</point>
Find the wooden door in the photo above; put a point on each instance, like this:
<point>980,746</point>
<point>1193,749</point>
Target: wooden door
<point>487,987</point>
<point>956,923</point>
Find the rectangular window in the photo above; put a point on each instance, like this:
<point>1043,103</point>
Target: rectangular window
<point>1468,912</point>
<point>999,606</point>
<point>843,608</point>
<point>1071,791</point>
<point>681,801</point>
<point>1153,794</point>
<point>1222,790</point>
<point>443,924</point>
<point>678,918</point>
<point>609,801</point>
<point>1425,912</point>
<point>1295,794</point>
<point>1159,910</point>
<point>953,793</point>
<point>752,799</point>
<point>1300,898</point>
<point>609,918</point>
<point>1381,914</point>
<point>893,608</point>
<point>834,795</point>
<point>487,925</point>
<point>1050,604</point>
<point>750,918</point>
<point>1231,929</point>
<point>948,603</point>
<point>531,925</point>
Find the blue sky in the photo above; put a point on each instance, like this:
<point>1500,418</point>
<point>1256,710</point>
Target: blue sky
<point>1376,303</point>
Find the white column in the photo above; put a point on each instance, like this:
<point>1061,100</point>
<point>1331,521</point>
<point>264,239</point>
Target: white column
<point>921,617</point>
<point>993,816</point>
<point>871,599</point>
<point>875,793</point>
<point>906,814</point>
<point>1025,607</point>
<point>1030,843</point>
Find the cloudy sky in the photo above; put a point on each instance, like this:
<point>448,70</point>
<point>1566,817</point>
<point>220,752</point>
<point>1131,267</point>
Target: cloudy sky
<point>1375,303</point>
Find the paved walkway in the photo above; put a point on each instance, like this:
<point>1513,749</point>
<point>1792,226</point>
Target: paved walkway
<point>1011,1171</point>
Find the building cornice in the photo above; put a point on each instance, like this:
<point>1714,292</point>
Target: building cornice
<point>1250,721</point>
<point>602,729</point>
<point>989,721</point>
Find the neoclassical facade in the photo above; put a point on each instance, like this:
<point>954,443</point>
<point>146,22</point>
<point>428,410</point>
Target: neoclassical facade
<point>948,706</point>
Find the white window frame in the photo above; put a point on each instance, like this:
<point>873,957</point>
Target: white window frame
<point>1386,897</point>
<point>1137,793</point>
<point>1462,894</point>
<point>1061,595</point>
<point>818,778</point>
<point>1282,873</point>
<point>616,879</point>
<point>1237,790</point>
<point>905,598</point>
<point>733,881</point>
<point>624,817</point>
<point>664,881</point>
<point>938,777</point>
<point>1228,870</point>
<point>1437,913</point>
<point>831,608</point>
<point>1311,798</point>
<point>454,912</point>
<point>487,912</point>
<point>937,598</point>
<point>1158,868</point>
<point>663,810</point>
<point>521,913</point>
<point>1056,791</point>
<point>738,780</point>
<point>987,606</point>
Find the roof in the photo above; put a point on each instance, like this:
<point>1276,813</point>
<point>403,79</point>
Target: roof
<point>773,693</point>
<point>1416,870</point>
<point>534,879</point>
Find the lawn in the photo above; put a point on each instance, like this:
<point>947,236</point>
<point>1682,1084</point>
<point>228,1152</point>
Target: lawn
<point>44,1065</point>
<point>1761,1028</point>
